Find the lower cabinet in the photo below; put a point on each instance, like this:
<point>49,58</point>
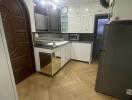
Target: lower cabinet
<point>81,51</point>
<point>65,54</point>
<point>76,51</point>
<point>49,62</point>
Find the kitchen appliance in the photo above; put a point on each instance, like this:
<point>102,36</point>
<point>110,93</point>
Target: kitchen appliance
<point>74,37</point>
<point>115,65</point>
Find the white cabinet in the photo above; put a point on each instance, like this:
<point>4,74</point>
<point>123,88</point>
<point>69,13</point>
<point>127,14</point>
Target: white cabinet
<point>81,24</point>
<point>80,21</point>
<point>81,18</point>
<point>74,24</point>
<point>68,52</point>
<point>65,54</point>
<point>63,61</point>
<point>81,51</point>
<point>91,23</point>
<point>87,23</point>
<point>73,10</point>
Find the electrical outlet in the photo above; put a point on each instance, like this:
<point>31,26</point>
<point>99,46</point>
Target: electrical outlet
<point>129,92</point>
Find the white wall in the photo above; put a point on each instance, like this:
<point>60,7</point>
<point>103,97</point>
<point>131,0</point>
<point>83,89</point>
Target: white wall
<point>7,82</point>
<point>122,9</point>
<point>30,6</point>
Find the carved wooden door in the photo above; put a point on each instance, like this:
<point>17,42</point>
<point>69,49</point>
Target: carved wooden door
<point>18,35</point>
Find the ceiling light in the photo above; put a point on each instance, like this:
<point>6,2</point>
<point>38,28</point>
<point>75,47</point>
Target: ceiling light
<point>54,6</point>
<point>49,2</point>
<point>87,9</point>
<point>70,9</point>
<point>42,2</point>
<point>34,4</point>
<point>56,1</point>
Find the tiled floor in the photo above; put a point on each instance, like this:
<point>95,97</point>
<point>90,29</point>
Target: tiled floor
<point>76,81</point>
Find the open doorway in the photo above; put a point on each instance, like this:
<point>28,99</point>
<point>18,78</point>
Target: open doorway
<point>100,21</point>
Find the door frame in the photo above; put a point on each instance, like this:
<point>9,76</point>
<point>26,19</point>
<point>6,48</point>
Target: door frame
<point>7,65</point>
<point>97,16</point>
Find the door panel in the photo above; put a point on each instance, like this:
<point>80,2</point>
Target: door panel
<point>114,76</point>
<point>18,35</point>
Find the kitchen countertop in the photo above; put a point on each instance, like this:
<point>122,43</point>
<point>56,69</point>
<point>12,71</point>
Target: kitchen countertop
<point>81,41</point>
<point>41,44</point>
<point>45,46</point>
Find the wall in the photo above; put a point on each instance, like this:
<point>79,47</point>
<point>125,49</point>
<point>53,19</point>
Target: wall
<point>122,9</point>
<point>7,82</point>
<point>30,6</point>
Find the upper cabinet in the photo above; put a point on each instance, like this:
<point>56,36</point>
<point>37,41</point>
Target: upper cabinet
<point>74,24</point>
<point>47,17</point>
<point>87,23</point>
<point>80,20</point>
<point>81,17</point>
<point>54,19</point>
<point>64,20</point>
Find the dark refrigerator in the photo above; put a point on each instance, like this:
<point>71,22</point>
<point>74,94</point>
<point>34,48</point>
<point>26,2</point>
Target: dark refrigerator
<point>114,75</point>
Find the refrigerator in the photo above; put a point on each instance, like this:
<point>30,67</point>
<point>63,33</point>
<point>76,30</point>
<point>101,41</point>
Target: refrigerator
<point>114,75</point>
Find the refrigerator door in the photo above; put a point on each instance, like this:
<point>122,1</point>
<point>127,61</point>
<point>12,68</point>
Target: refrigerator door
<point>115,67</point>
<point>102,55</point>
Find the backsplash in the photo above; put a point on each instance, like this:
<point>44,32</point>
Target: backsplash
<point>82,36</point>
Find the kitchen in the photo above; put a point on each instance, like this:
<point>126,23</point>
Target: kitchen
<point>55,54</point>
<point>76,34</point>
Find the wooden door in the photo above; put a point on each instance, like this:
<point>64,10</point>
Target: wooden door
<point>18,35</point>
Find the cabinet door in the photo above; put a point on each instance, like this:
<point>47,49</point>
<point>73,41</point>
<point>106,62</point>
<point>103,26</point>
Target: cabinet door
<point>58,53</point>
<point>81,51</point>
<point>91,23</point>
<point>73,10</point>
<point>54,19</point>
<point>62,56</point>
<point>67,52</point>
<point>74,25</point>
<point>85,24</point>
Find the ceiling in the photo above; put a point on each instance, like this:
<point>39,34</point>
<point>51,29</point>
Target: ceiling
<point>66,2</point>
<point>79,1</point>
